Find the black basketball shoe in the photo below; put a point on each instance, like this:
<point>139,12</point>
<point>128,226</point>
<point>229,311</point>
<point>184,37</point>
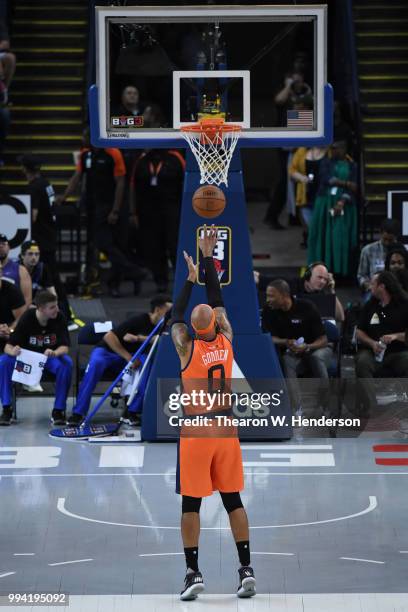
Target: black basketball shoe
<point>193,585</point>
<point>247,582</point>
<point>58,417</point>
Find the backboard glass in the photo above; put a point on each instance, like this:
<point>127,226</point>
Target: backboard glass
<point>263,67</point>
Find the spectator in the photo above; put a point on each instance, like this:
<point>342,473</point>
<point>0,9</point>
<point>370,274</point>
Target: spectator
<point>333,229</point>
<point>44,226</point>
<point>298,333</point>
<point>295,94</point>
<point>396,259</point>
<point>381,332</point>
<point>42,330</point>
<point>104,170</point>
<point>7,64</point>
<point>316,280</point>
<point>304,170</point>
<point>295,90</point>
<point>39,272</point>
<point>12,306</point>
<point>14,272</point>
<point>153,116</point>
<point>372,257</point>
<point>114,351</point>
<point>42,278</point>
<point>156,192</point>
<point>130,102</point>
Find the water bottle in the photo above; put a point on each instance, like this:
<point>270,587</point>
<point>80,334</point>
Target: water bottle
<point>380,356</point>
<point>299,341</point>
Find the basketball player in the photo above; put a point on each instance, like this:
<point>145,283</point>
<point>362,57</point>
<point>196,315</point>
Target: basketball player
<point>208,462</point>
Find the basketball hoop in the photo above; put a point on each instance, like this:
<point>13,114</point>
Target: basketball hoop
<point>212,142</point>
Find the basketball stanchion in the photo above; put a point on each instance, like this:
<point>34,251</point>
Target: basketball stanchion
<point>87,429</point>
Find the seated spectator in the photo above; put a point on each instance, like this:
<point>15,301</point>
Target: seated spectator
<point>14,271</point>
<point>39,272</point>
<point>381,334</point>
<point>115,351</point>
<point>299,335</point>
<point>316,280</point>
<point>396,262</point>
<point>130,102</point>
<point>372,257</point>
<point>42,278</point>
<point>12,306</point>
<point>304,170</point>
<point>333,228</point>
<point>42,330</point>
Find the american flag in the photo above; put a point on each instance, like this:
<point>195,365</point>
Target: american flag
<point>300,119</point>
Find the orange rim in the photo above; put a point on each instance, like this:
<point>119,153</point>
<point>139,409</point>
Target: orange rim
<point>211,126</point>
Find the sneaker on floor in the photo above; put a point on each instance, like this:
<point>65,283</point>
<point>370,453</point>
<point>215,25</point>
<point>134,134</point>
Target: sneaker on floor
<point>193,585</point>
<point>33,388</point>
<point>7,417</point>
<point>131,418</point>
<point>247,582</point>
<point>75,419</point>
<point>58,417</point>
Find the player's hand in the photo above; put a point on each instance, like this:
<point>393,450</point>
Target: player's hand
<point>192,268</point>
<point>59,200</point>
<point>134,220</point>
<point>49,353</point>
<point>208,241</point>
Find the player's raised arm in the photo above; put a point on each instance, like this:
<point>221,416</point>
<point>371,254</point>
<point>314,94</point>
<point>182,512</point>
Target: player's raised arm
<point>179,330</point>
<point>212,284</point>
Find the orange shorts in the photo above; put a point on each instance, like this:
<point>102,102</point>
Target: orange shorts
<point>205,465</point>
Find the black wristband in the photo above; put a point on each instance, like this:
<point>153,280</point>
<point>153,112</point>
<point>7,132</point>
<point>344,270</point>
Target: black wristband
<point>212,284</point>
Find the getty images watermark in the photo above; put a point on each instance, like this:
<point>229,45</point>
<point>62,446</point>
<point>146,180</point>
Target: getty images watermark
<point>253,406</point>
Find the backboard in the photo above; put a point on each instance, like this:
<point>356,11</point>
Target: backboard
<point>263,67</point>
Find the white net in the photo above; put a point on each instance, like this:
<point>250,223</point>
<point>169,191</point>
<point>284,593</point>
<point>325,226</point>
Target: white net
<point>213,151</point>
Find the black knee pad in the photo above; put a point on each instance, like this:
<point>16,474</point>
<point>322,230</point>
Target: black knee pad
<point>191,504</point>
<point>231,501</point>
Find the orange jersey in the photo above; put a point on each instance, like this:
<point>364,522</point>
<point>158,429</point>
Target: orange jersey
<point>214,358</point>
<point>209,371</point>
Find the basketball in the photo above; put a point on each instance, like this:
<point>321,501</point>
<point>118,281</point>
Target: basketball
<point>209,201</point>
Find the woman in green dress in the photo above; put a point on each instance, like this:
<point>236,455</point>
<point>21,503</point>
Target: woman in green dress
<point>333,229</point>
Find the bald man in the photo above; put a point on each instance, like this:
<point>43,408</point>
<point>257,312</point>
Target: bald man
<point>209,457</point>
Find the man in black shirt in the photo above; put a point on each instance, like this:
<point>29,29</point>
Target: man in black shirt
<point>381,332</point>
<point>316,280</point>
<point>298,333</point>
<point>42,330</point>
<point>44,226</point>
<point>12,306</point>
<point>41,276</point>
<point>114,351</point>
